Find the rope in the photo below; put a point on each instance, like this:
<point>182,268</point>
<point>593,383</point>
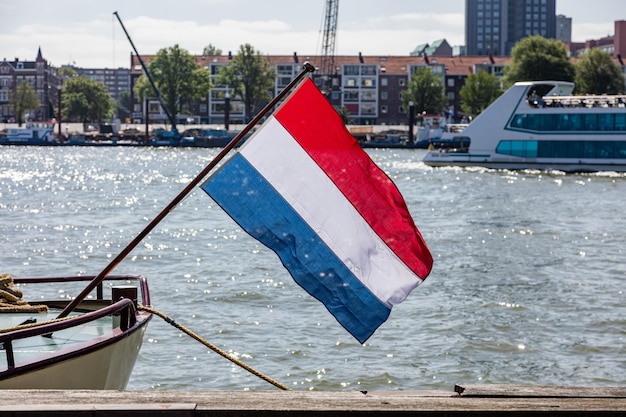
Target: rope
<point>11,298</point>
<point>33,324</point>
<point>215,348</point>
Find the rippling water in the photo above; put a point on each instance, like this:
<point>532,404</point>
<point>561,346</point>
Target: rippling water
<point>527,285</point>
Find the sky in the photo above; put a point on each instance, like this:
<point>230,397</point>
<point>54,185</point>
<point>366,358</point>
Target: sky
<point>85,33</point>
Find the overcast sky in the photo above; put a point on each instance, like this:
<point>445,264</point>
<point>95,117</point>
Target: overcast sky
<point>86,33</point>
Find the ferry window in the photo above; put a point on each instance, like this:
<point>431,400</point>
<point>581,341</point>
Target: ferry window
<point>562,122</point>
<point>575,121</point>
<point>573,149</point>
<point>504,147</point>
<point>546,122</point>
<point>605,122</point>
<point>546,149</point>
<point>532,122</point>
<point>519,120</point>
<point>620,122</point>
<point>590,121</point>
<point>531,149</point>
<point>619,149</point>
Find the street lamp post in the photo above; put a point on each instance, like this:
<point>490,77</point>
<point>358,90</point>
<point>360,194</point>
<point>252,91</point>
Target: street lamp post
<point>226,110</point>
<point>411,121</point>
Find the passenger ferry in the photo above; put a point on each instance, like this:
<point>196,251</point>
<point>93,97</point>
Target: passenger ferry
<point>540,125</point>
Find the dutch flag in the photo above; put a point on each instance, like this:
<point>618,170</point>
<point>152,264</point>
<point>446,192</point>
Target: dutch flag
<point>303,187</point>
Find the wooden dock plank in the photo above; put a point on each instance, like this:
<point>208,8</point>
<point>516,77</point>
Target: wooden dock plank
<point>482,400</point>
<point>531,391</point>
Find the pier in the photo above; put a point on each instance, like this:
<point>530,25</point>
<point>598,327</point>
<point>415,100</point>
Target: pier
<point>462,400</point>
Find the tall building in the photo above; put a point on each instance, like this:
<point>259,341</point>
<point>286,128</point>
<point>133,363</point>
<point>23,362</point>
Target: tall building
<point>492,27</point>
<point>564,28</point>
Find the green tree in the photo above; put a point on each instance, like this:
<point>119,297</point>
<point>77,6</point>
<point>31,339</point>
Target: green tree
<point>536,58</point>
<point>178,77</point>
<point>426,92</point>
<point>23,99</point>
<point>85,100</point>
<point>479,91</point>
<point>67,72</point>
<point>597,73</point>
<point>250,77</point>
<point>210,49</point>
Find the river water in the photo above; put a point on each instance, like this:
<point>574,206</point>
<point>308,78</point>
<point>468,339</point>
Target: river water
<point>527,285</point>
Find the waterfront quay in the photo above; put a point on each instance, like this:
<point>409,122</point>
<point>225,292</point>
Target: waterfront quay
<point>463,400</point>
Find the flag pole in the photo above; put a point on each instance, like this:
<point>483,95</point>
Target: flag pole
<point>307,67</point>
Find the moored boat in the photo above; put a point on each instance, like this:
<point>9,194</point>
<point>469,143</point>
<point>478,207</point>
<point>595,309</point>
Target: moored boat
<point>33,133</point>
<point>95,347</point>
<point>541,125</point>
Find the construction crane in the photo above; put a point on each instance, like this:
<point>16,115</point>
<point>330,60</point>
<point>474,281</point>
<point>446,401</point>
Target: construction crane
<point>145,70</point>
<point>327,67</point>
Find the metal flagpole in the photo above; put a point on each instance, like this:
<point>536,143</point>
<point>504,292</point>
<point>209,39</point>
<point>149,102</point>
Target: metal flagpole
<point>307,67</point>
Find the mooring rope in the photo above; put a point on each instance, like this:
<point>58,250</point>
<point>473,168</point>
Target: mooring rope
<point>11,298</point>
<point>215,348</point>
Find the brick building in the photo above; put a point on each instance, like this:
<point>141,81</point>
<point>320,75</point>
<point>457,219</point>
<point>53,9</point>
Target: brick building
<point>369,87</point>
<point>40,75</point>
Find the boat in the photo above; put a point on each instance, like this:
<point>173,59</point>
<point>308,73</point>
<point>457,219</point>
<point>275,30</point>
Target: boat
<point>540,125</point>
<point>32,133</point>
<point>94,347</point>
<point>445,137</point>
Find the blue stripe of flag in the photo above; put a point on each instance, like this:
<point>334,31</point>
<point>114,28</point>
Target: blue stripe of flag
<point>257,207</point>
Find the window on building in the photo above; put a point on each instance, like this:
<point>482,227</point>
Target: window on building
<point>383,109</point>
<point>402,82</point>
<point>351,70</point>
<point>383,82</point>
<point>368,82</point>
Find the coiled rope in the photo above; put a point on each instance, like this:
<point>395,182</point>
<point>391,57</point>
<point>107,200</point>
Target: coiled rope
<point>215,348</point>
<point>11,298</point>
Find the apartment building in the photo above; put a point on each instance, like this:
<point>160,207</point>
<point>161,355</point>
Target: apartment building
<point>38,74</point>
<point>369,87</point>
<point>494,26</point>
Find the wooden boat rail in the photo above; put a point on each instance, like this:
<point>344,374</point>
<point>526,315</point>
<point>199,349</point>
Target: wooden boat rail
<point>124,308</point>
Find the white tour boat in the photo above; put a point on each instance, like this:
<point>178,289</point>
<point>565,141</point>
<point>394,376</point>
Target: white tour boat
<point>94,347</point>
<point>540,125</point>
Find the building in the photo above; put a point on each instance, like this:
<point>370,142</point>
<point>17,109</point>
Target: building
<point>40,75</point>
<point>615,45</point>
<point>564,28</point>
<point>492,27</point>
<point>116,80</point>
<point>368,87</point>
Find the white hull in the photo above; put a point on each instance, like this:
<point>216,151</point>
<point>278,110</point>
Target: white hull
<point>558,131</point>
<point>444,159</point>
<point>109,367</point>
<point>95,347</point>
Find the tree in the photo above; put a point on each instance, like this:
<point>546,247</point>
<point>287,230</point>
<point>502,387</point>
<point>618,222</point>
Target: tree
<point>178,77</point>
<point>211,50</point>
<point>426,92</point>
<point>597,73</point>
<point>67,72</point>
<point>479,91</point>
<point>536,58</point>
<point>250,77</point>
<point>23,99</point>
<point>85,100</point>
